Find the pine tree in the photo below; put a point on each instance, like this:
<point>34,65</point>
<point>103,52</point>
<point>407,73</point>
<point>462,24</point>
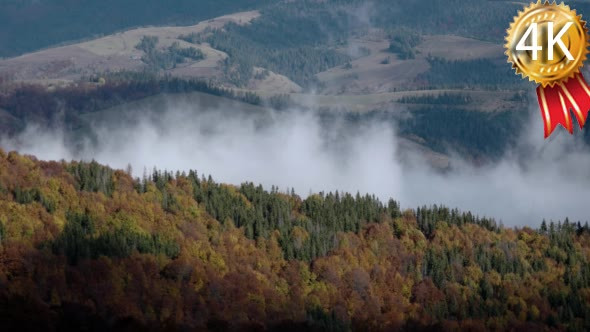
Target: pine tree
<point>544,227</point>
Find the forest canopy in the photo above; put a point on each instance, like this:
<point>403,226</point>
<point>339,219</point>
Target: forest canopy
<point>83,246</point>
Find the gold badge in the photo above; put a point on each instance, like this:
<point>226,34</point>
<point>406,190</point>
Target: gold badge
<point>547,43</point>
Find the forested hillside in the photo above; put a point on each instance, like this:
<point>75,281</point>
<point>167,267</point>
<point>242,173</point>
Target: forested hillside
<point>27,104</point>
<point>438,119</point>
<point>85,247</point>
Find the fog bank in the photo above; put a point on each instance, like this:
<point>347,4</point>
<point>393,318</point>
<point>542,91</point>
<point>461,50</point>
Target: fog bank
<point>536,179</point>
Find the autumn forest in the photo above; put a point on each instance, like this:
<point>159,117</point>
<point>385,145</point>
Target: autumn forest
<point>86,247</point>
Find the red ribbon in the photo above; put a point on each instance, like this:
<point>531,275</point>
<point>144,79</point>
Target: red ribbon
<point>557,101</point>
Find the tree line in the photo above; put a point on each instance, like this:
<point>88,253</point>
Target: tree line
<point>168,58</point>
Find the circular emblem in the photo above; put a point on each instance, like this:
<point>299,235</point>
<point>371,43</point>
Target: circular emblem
<point>547,43</point>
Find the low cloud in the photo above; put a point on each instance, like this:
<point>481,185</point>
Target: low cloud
<point>537,179</point>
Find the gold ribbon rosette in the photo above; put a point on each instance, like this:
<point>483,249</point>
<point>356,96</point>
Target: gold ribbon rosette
<point>547,42</point>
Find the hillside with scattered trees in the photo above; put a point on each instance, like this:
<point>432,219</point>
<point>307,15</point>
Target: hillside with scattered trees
<point>28,25</point>
<point>86,247</point>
